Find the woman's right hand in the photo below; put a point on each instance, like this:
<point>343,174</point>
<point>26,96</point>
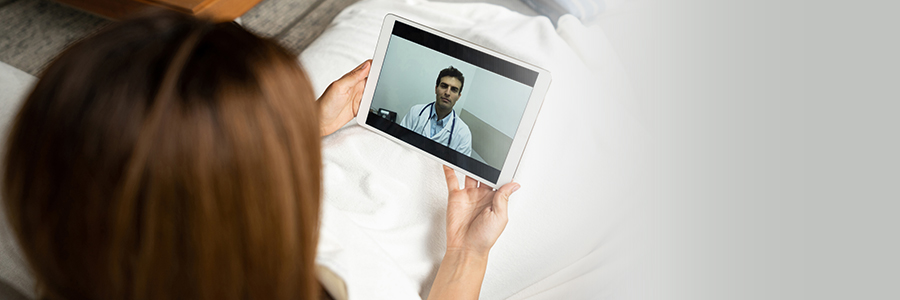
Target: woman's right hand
<point>476,214</point>
<point>475,218</point>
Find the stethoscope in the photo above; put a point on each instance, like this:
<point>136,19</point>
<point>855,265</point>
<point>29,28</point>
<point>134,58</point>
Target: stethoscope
<point>452,126</point>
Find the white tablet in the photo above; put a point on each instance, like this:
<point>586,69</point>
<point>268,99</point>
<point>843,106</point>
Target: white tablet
<point>467,106</point>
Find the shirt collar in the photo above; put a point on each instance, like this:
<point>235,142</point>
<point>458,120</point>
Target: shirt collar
<point>434,114</point>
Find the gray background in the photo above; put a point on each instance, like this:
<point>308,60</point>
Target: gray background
<point>775,165</point>
<point>720,86</point>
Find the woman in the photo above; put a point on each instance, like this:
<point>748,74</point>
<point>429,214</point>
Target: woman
<point>172,158</point>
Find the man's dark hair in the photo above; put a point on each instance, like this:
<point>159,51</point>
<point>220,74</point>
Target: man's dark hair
<point>452,72</point>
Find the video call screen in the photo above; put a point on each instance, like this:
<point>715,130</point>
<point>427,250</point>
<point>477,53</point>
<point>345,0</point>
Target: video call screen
<point>457,103</point>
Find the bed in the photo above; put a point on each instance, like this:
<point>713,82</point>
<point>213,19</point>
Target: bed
<point>570,234</point>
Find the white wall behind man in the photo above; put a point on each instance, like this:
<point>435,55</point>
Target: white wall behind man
<point>497,100</point>
<point>408,75</point>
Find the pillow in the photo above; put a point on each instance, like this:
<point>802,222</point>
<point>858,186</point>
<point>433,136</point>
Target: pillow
<point>585,10</point>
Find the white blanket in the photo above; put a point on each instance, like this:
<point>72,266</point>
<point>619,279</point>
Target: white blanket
<point>568,236</point>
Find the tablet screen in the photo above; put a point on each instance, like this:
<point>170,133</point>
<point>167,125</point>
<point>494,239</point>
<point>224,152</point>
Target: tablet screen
<point>457,103</point>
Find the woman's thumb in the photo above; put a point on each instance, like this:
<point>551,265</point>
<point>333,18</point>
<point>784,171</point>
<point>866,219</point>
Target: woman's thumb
<point>501,200</point>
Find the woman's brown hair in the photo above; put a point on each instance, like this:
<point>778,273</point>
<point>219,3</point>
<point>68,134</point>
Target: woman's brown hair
<point>168,158</point>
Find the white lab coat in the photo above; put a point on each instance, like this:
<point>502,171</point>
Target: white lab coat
<point>419,121</point>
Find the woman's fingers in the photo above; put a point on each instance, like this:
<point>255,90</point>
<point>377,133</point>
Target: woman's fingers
<point>360,73</point>
<point>352,78</point>
<point>452,182</point>
<point>471,183</point>
<point>357,95</point>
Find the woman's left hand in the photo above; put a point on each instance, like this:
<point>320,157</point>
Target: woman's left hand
<point>340,102</point>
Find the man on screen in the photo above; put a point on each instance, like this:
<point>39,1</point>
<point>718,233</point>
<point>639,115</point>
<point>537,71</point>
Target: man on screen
<point>437,120</point>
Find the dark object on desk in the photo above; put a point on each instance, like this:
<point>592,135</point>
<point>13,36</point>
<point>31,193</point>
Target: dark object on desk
<point>387,114</point>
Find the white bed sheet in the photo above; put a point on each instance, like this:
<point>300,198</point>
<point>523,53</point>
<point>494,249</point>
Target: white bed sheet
<point>569,235</point>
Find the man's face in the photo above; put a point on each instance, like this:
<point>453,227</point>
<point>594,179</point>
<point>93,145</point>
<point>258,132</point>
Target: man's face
<point>447,92</point>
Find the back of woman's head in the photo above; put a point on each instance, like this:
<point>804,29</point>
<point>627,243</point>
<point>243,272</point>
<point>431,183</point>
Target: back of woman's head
<point>167,158</point>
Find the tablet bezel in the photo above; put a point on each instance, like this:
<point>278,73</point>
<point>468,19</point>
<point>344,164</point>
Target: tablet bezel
<point>523,131</point>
